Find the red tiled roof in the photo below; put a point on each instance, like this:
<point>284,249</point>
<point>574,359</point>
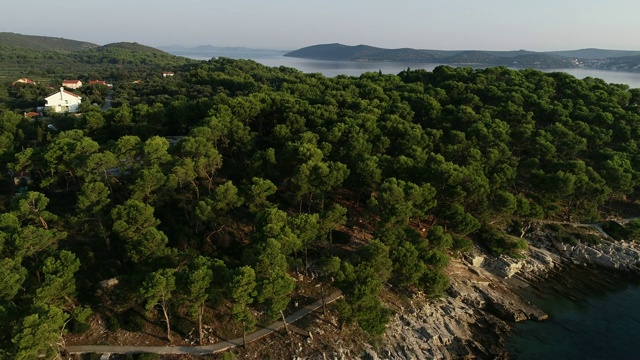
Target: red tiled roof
<point>94,82</point>
<point>70,81</point>
<point>31,114</point>
<point>66,92</point>
<point>70,93</point>
<point>24,80</point>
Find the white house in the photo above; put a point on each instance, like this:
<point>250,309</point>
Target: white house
<point>63,101</point>
<point>72,84</point>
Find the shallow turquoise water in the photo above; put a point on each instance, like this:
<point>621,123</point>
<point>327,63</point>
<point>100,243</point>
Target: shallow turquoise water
<point>592,315</point>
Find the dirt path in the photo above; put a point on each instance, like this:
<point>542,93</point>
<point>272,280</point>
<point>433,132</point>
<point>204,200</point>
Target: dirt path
<point>207,349</point>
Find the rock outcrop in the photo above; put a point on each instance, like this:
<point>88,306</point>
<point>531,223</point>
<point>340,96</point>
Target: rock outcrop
<point>472,321</point>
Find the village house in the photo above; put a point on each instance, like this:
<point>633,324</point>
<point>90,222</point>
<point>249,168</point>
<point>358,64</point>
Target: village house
<point>31,114</point>
<point>24,81</point>
<point>97,82</point>
<point>72,84</point>
<point>167,73</point>
<point>63,101</point>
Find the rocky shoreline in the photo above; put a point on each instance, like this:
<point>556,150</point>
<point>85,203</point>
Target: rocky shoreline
<point>474,320</point>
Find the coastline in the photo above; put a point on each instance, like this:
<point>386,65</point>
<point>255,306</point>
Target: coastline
<point>487,297</point>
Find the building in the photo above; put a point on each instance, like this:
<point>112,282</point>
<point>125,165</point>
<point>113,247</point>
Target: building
<point>63,101</point>
<point>24,81</point>
<point>167,73</point>
<point>72,84</point>
<point>97,82</point>
<point>31,114</point>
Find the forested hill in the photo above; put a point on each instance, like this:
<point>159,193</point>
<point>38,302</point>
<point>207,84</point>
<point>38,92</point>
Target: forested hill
<point>124,52</point>
<point>50,63</point>
<point>221,194</point>
<point>43,42</point>
<point>341,52</point>
<point>591,58</point>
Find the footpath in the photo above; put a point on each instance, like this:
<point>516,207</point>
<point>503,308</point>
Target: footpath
<point>205,349</point>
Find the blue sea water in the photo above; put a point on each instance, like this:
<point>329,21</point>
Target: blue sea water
<point>592,315</point>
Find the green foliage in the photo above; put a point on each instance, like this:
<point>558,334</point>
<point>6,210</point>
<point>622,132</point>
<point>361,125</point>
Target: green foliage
<point>242,291</point>
<point>620,232</point>
<point>234,165</point>
<point>12,276</point>
<point>361,285</point>
<point>228,356</point>
<point>158,288</point>
<point>112,323</point>
<point>147,356</point>
<point>435,283</point>
<point>58,287</point>
<point>461,243</point>
<point>135,223</point>
<point>131,320</point>
<point>399,201</point>
<point>499,243</point>
<point>38,334</point>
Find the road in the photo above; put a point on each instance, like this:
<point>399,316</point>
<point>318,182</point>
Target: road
<point>206,349</point>
<point>107,101</point>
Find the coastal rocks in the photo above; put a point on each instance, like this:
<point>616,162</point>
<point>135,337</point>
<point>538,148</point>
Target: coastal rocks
<point>536,264</point>
<point>607,253</point>
<point>470,322</point>
<point>442,329</point>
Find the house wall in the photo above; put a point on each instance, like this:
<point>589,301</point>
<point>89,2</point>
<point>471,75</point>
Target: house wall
<point>77,85</point>
<point>63,102</point>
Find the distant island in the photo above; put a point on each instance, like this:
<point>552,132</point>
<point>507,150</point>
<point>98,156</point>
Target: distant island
<point>621,60</point>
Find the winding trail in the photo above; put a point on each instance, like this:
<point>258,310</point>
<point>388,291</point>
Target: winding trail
<point>206,349</point>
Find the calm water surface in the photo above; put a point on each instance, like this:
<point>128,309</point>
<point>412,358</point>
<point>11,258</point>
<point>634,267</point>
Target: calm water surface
<point>591,316</point>
<point>354,68</point>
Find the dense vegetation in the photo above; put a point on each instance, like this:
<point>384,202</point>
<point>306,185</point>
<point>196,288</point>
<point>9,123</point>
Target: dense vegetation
<point>50,60</point>
<point>359,182</point>
<point>35,42</point>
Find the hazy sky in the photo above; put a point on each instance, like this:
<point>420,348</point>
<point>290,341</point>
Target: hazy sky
<point>288,24</point>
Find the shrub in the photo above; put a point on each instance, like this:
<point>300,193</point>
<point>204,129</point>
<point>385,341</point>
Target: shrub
<point>589,239</point>
<point>615,230</point>
<point>131,320</point>
<point>112,323</point>
<point>229,356</point>
<point>148,356</point>
<point>461,243</point>
<point>498,243</point>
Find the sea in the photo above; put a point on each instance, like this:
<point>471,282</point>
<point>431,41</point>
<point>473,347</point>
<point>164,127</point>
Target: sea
<point>356,68</point>
<point>592,314</point>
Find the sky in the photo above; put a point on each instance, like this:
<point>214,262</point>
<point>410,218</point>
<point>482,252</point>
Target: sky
<point>541,25</point>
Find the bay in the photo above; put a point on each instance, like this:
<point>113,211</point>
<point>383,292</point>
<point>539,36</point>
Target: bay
<point>275,58</point>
